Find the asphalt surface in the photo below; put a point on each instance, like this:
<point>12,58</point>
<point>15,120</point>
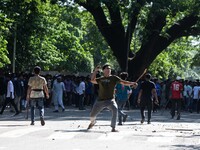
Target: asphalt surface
<point>68,130</point>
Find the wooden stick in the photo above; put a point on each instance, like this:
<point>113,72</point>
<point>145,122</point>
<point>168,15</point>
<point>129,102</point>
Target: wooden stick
<point>145,70</point>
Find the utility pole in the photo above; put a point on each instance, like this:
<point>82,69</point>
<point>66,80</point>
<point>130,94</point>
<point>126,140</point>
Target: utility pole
<point>14,49</point>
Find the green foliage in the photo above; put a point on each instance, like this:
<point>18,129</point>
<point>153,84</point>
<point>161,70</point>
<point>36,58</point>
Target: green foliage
<point>94,43</point>
<point>175,61</point>
<point>58,35</point>
<point>3,34</point>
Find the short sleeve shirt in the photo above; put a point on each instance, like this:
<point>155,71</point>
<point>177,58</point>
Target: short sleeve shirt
<point>37,82</point>
<point>107,86</point>
<point>147,87</point>
<point>176,89</point>
<point>122,92</point>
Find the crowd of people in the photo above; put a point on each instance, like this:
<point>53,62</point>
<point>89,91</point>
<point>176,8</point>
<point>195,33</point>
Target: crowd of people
<point>79,91</point>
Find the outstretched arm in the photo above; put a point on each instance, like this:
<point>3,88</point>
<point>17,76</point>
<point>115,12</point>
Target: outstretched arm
<point>93,76</point>
<point>128,83</point>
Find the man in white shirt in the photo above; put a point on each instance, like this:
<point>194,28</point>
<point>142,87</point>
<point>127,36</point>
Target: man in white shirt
<point>58,90</point>
<point>81,93</point>
<point>9,96</point>
<point>196,95</point>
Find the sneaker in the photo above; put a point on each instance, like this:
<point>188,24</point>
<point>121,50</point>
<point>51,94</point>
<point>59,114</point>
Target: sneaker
<point>91,125</point>
<point>124,118</point>
<point>55,111</point>
<point>142,121</point>
<point>32,123</point>
<point>42,121</point>
<point>114,130</point>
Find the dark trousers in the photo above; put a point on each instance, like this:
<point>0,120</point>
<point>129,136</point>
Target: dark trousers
<point>6,102</point>
<point>81,101</point>
<point>176,105</point>
<point>143,105</point>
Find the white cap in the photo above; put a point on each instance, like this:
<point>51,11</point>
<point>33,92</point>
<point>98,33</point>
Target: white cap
<point>178,78</point>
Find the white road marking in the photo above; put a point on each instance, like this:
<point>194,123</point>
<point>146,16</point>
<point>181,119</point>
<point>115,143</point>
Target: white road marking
<point>19,132</point>
<point>113,136</point>
<point>62,135</point>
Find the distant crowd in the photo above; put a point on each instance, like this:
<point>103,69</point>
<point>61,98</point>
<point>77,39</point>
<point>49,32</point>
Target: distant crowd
<point>74,86</point>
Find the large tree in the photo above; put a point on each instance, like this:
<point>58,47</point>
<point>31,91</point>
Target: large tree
<point>154,24</point>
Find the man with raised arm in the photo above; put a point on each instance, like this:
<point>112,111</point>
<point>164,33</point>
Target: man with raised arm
<point>106,94</point>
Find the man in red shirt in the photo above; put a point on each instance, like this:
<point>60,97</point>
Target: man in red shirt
<point>176,96</point>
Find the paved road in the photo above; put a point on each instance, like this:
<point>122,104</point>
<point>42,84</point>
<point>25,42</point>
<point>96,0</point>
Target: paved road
<point>67,130</point>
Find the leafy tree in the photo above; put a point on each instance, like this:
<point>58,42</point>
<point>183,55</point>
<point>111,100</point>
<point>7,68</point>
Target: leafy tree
<point>175,60</point>
<point>3,34</point>
<point>156,23</point>
<point>45,36</point>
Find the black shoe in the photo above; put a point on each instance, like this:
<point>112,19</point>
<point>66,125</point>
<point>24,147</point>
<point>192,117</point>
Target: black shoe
<point>1,113</point>
<point>120,124</point>
<point>32,123</point>
<point>142,121</point>
<point>42,121</point>
<point>63,109</point>
<point>114,130</point>
<point>179,117</point>
<point>148,122</point>
<point>124,118</point>
<point>55,111</point>
<point>16,114</point>
<point>91,125</point>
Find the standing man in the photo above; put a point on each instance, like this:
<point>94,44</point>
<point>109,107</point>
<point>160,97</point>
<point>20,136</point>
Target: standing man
<point>81,93</point>
<point>37,85</point>
<point>176,97</point>
<point>106,98</point>
<point>145,97</point>
<point>58,90</point>
<point>9,96</point>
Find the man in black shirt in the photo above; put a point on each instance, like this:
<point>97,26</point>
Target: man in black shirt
<point>106,94</point>
<point>145,97</point>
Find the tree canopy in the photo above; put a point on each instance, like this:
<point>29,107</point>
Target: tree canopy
<point>155,24</point>
<point>75,35</point>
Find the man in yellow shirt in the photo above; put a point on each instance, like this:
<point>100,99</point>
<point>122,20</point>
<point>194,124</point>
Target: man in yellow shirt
<point>37,85</point>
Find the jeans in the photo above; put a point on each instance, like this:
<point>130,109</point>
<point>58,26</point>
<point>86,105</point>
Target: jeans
<point>121,104</point>
<point>39,102</point>
<point>100,105</point>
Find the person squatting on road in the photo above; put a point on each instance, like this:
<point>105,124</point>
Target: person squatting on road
<point>145,98</point>
<point>37,85</point>
<point>106,97</point>
<point>122,96</point>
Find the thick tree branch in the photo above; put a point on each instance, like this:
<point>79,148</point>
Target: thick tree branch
<point>94,7</point>
<point>114,12</point>
<point>182,27</point>
<point>135,7</point>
